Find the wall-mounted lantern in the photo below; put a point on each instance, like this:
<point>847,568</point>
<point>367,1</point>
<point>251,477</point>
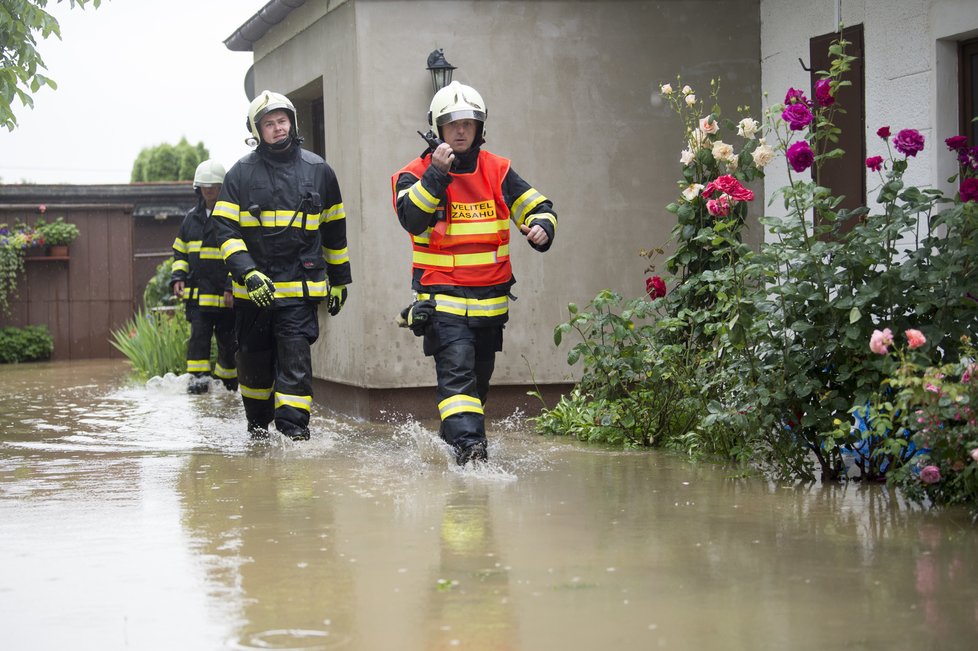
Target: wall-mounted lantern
<point>440,69</point>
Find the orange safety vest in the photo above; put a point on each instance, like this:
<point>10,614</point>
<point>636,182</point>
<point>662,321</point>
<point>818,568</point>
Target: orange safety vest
<point>470,246</point>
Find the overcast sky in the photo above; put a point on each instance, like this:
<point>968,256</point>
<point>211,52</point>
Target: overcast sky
<point>131,74</point>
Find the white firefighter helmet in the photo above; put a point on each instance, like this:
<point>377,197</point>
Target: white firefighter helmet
<point>458,102</point>
<point>210,172</point>
<point>265,102</point>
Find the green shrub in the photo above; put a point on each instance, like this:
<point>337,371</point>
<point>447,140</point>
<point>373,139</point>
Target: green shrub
<point>157,292</point>
<point>155,342</point>
<point>27,344</point>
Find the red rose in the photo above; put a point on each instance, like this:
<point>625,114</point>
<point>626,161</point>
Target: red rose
<point>656,287</point>
<point>727,184</point>
<point>883,132</point>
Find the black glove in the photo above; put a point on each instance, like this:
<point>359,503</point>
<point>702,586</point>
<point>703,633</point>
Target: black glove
<point>260,288</point>
<point>336,299</point>
<point>417,316</point>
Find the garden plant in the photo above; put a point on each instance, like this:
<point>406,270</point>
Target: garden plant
<point>57,233</point>
<point>14,242</point>
<point>763,356</point>
<point>155,339</point>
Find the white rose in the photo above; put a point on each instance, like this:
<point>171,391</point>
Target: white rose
<point>686,157</point>
<point>763,155</point>
<point>666,89</point>
<point>722,151</point>
<point>690,100</point>
<point>692,191</point>
<point>732,164</point>
<point>697,139</point>
<point>687,90</point>
<point>747,128</point>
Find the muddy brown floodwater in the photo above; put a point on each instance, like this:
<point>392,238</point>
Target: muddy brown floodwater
<point>139,517</point>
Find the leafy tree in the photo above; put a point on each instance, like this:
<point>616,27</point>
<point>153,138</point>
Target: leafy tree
<point>167,162</point>
<point>20,23</point>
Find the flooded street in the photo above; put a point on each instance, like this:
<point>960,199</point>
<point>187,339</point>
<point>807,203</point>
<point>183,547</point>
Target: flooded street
<point>138,517</point>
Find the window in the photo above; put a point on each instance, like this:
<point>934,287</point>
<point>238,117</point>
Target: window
<point>968,55</point>
<point>845,176</point>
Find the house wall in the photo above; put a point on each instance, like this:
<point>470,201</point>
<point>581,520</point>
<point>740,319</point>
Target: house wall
<point>910,70</point>
<point>572,90</point>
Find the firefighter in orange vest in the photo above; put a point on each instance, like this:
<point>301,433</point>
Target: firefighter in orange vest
<point>456,201</point>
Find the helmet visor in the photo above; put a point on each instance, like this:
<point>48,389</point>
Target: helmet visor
<point>466,114</point>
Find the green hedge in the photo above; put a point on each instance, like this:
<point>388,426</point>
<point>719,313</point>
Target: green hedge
<point>27,344</point>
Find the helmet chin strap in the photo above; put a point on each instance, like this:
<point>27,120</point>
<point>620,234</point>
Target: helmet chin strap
<point>282,145</point>
<point>279,146</point>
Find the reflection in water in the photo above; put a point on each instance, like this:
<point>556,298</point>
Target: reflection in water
<point>469,602</point>
<point>138,517</point>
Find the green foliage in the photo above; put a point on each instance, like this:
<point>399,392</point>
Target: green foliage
<point>157,292</point>
<point>154,342</point>
<point>21,21</point>
<point>14,241</point>
<point>57,233</point>
<point>27,344</point>
<point>167,162</point>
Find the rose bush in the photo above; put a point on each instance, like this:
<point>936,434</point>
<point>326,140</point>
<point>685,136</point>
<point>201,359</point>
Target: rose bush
<point>767,349</point>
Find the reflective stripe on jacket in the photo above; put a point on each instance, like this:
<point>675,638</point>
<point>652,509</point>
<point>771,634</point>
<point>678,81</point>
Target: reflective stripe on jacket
<point>197,261</point>
<point>284,216</point>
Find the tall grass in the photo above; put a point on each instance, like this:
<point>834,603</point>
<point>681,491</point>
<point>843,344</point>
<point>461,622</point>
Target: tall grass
<point>155,342</point>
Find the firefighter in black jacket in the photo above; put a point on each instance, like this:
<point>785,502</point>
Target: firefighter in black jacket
<point>456,204</point>
<point>282,231</point>
<point>200,278</point>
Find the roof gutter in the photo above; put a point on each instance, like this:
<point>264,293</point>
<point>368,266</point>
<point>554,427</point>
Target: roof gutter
<point>244,38</point>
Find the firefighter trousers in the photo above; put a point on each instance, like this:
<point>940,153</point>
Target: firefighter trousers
<point>465,358</point>
<point>205,324</point>
<point>275,364</point>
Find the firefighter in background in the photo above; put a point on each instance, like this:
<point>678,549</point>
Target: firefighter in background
<point>282,231</point>
<point>201,279</point>
<point>456,202</point>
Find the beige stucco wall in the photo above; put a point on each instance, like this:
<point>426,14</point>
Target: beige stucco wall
<point>572,94</point>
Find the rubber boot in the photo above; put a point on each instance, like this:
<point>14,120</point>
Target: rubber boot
<point>198,384</point>
<point>472,453</point>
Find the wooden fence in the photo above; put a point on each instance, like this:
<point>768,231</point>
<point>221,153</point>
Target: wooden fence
<point>125,232</point>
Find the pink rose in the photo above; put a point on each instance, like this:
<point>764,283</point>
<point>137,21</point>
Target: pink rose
<point>42,209</point>
<point>915,338</point>
<point>795,96</point>
<point>728,185</point>
<point>974,455</point>
<point>930,474</point>
<point>709,125</point>
<point>909,142</point>
<point>969,190</point>
<point>797,116</point>
<point>719,207</point>
<point>800,156</point>
<point>875,163</point>
<point>968,372</point>
<point>879,341</point>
